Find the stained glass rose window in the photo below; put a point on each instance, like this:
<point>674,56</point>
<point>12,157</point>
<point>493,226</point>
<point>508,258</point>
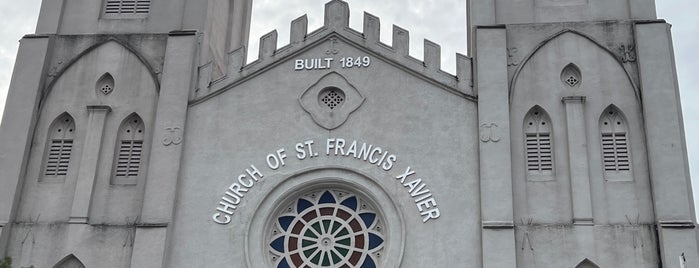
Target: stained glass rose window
<point>328,228</point>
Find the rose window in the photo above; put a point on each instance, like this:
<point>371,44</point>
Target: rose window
<point>329,228</point>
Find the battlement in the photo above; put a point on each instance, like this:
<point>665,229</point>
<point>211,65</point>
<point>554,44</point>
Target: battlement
<point>336,24</point>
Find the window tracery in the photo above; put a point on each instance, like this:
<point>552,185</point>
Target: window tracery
<point>328,228</point>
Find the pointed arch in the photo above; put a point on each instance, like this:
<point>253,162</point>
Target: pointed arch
<point>97,45</point>
<point>616,156</point>
<point>538,133</point>
<point>59,146</point>
<point>538,47</point>
<point>587,263</point>
<point>70,261</point>
<point>129,150</point>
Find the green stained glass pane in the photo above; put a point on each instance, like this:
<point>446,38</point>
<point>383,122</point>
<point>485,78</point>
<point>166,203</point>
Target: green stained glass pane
<point>336,258</point>
<point>316,259</point>
<point>342,232</point>
<point>309,252</point>
<point>316,226</point>
<point>306,243</point>
<point>326,224</point>
<point>336,225</point>
<point>342,251</point>
<point>345,242</point>
<point>326,260</point>
<point>310,234</point>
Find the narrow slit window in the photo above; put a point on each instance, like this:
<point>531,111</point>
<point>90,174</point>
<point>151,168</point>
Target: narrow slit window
<point>129,151</point>
<point>59,147</point>
<point>615,145</point>
<point>538,142</point>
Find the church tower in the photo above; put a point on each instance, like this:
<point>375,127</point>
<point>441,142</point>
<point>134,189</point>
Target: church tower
<point>98,86</point>
<point>598,168</point>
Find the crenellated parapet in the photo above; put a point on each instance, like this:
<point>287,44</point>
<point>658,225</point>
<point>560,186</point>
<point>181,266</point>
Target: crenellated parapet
<point>336,25</point>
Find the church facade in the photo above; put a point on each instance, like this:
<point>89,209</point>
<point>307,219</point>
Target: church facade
<point>136,135</point>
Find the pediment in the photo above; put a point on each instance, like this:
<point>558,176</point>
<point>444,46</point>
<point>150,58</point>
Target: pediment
<point>337,47</point>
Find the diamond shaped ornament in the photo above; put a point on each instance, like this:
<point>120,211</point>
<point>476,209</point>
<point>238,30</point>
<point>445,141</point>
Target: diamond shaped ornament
<point>316,103</point>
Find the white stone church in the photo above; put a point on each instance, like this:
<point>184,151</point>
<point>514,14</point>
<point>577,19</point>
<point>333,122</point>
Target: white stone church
<point>136,134</point>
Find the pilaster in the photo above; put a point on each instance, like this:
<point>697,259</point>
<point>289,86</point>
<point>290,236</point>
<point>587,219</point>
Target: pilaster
<point>161,184</point>
<point>579,164</point>
<point>19,119</point>
<point>50,17</point>
<point>88,163</point>
<point>498,241</point>
<point>667,155</point>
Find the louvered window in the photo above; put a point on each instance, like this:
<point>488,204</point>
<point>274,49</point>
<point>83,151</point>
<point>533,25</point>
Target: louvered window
<point>615,146</point>
<point>538,142</point>
<point>129,161</point>
<point>129,153</point>
<point>127,7</point>
<point>59,147</point>
<point>539,152</point>
<point>59,157</point>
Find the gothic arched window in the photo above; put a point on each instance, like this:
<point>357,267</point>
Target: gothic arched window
<point>538,142</point>
<point>615,144</point>
<point>59,146</point>
<point>129,150</point>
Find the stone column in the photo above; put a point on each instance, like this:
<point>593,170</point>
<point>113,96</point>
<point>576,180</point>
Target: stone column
<point>495,164</point>
<point>578,161</point>
<point>89,160</point>
<point>161,183</point>
<point>667,155</point>
<point>19,119</point>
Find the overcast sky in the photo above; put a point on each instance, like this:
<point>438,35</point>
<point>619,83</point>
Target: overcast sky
<point>443,22</point>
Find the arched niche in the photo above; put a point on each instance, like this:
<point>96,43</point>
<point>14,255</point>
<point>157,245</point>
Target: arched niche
<point>571,75</point>
<point>586,263</point>
<point>105,84</point>
<point>69,261</point>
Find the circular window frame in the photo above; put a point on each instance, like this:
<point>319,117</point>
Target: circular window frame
<point>326,228</point>
<point>257,243</point>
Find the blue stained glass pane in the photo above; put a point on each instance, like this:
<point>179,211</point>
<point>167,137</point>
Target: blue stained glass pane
<point>278,244</point>
<point>283,264</point>
<point>374,241</point>
<point>302,205</point>
<point>327,198</point>
<point>368,218</point>
<point>368,263</point>
<point>285,222</point>
<point>350,203</point>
